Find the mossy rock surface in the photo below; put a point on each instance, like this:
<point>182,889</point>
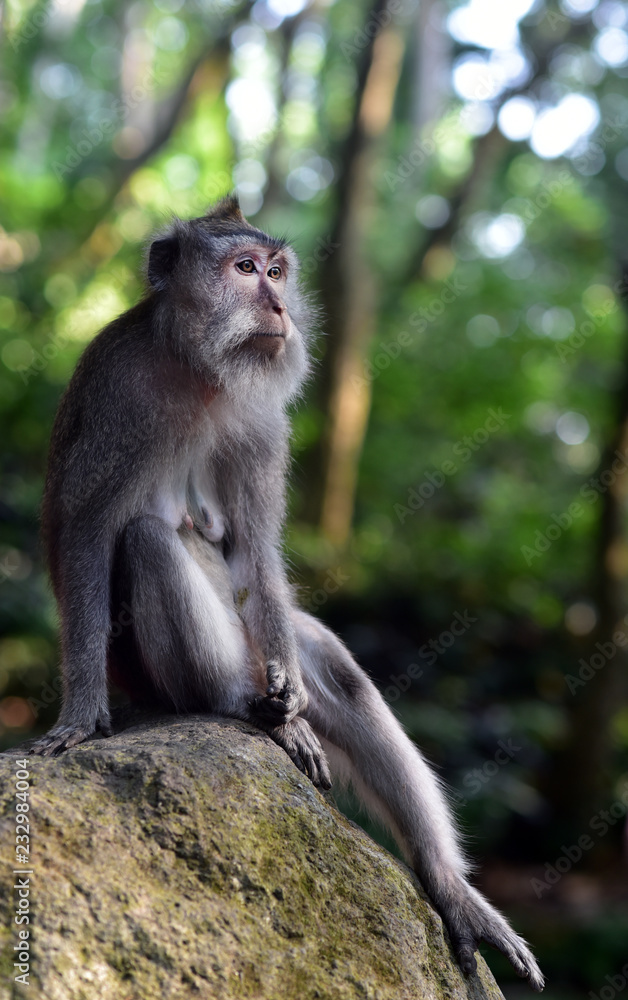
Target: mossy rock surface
<point>186,857</point>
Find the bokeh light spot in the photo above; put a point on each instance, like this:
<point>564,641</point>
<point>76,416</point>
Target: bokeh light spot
<point>572,427</point>
<point>580,618</point>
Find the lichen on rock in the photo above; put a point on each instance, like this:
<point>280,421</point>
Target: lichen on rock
<point>186,857</point>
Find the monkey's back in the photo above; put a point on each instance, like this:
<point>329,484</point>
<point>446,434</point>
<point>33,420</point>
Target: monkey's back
<point>100,427</point>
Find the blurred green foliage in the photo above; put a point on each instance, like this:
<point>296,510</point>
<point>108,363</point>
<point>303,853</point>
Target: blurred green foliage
<point>497,370</point>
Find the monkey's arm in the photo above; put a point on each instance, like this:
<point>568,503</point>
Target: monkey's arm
<point>261,585</point>
<point>82,585</point>
<point>264,607</point>
<point>101,451</point>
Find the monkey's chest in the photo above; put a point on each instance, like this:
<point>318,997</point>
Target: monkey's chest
<point>186,498</point>
<point>203,512</point>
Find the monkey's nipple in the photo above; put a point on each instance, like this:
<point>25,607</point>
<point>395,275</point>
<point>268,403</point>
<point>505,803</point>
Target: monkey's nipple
<point>187,521</point>
<point>207,518</point>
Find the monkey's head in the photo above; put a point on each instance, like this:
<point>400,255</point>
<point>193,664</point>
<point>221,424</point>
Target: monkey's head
<point>229,302</point>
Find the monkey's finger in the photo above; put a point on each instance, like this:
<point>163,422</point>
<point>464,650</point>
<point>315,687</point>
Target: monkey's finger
<point>261,704</point>
<point>295,700</point>
<point>271,710</point>
<point>269,715</point>
<point>288,701</point>
<point>276,694</point>
<point>276,678</point>
<point>276,688</point>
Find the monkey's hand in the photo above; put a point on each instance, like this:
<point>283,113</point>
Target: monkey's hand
<point>61,737</point>
<point>285,695</point>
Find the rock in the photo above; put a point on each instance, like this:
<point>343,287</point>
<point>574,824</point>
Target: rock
<point>187,857</point>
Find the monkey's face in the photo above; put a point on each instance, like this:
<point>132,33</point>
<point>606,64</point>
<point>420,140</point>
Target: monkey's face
<point>230,300</point>
<point>252,304</point>
<point>259,278</point>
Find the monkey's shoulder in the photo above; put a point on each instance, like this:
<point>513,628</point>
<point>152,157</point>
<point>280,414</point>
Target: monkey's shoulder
<point>124,347</point>
<point>109,403</point>
<point>121,377</point>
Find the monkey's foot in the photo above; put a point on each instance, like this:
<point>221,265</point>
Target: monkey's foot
<point>303,748</point>
<point>470,919</point>
<point>61,738</point>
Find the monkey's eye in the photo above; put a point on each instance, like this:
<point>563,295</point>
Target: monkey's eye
<point>275,272</point>
<point>246,266</point>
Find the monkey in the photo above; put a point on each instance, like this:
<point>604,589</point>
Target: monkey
<point>165,495</point>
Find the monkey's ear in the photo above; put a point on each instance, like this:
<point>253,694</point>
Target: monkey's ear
<point>162,258</point>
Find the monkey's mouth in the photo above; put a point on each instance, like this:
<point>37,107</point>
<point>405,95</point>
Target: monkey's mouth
<point>267,343</point>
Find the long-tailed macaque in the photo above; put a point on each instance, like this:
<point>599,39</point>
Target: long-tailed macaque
<point>165,497</point>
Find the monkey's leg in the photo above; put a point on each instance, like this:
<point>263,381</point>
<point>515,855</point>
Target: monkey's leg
<point>190,639</point>
<point>367,746</point>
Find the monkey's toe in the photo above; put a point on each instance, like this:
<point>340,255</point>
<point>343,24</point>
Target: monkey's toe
<point>464,948</point>
<point>54,744</point>
<point>63,738</point>
<point>518,954</point>
<point>325,773</point>
<point>311,753</point>
<point>302,746</point>
<point>470,919</point>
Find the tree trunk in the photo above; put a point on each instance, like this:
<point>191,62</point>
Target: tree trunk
<point>350,296</point>
<point>581,780</point>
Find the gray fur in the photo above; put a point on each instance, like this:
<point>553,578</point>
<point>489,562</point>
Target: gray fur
<point>166,495</point>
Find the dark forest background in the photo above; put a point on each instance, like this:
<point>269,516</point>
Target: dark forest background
<point>454,177</point>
